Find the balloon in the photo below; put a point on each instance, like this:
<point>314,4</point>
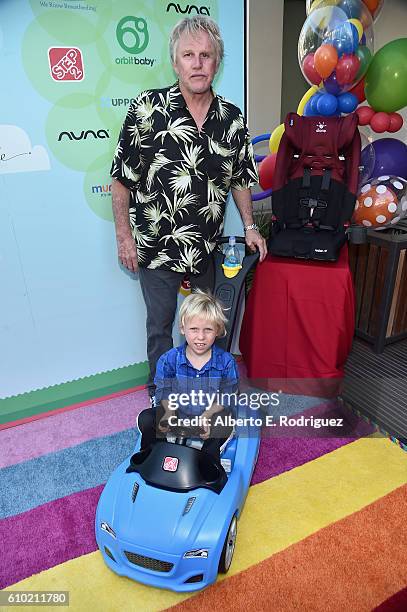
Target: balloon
<point>305,98</point>
<point>347,102</point>
<point>309,70</point>
<point>367,162</point>
<point>331,85</point>
<point>275,138</point>
<point>376,205</point>
<point>325,60</point>
<point>358,27</point>
<point>391,157</point>
<point>332,31</point>
<point>359,91</point>
<point>307,110</point>
<point>374,6</point>
<point>347,68</point>
<point>396,122</point>
<point>327,104</point>
<point>380,122</point>
<point>344,38</point>
<point>313,103</point>
<point>364,56</point>
<point>386,77</point>
<point>364,113</point>
<point>266,171</point>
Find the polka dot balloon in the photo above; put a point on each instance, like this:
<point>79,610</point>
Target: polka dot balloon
<point>381,203</point>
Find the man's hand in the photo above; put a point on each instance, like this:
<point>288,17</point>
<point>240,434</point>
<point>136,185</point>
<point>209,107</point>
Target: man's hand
<point>255,240</point>
<point>243,199</point>
<point>127,253</point>
<point>205,423</point>
<point>163,424</point>
<point>126,247</point>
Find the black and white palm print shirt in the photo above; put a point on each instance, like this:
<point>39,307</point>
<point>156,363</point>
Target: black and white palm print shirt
<point>179,177</point>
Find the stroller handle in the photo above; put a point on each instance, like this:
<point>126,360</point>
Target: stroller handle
<point>225,240</point>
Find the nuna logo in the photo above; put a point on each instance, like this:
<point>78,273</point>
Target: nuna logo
<point>200,10</point>
<point>84,135</point>
<point>321,127</point>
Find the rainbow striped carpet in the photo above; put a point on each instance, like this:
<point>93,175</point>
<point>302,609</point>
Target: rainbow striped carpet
<point>323,528</point>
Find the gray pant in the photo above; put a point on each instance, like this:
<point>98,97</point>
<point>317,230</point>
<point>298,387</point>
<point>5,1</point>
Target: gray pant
<point>160,292</point>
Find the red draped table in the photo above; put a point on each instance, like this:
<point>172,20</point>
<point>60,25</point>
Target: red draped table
<point>298,325</point>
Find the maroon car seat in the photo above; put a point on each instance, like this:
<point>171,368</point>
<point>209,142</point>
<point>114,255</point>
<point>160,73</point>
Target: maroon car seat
<point>314,186</point>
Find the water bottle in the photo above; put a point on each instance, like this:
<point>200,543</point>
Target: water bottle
<point>232,256</point>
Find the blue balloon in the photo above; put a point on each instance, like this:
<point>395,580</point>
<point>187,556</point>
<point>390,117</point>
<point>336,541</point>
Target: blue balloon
<point>347,102</point>
<point>307,112</point>
<point>331,85</point>
<point>343,38</point>
<point>313,101</point>
<point>327,105</point>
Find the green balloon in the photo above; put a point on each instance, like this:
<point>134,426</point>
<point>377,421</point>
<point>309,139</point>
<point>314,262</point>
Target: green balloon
<point>386,77</point>
<point>364,55</point>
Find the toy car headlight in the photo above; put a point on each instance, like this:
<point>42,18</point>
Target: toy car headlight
<point>105,527</point>
<point>201,553</point>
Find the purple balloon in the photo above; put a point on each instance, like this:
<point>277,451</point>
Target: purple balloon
<point>390,157</point>
<point>331,85</point>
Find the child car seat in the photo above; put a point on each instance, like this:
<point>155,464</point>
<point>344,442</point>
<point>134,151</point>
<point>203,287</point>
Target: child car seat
<point>314,186</point>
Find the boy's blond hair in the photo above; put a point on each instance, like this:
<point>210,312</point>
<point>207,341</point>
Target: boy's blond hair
<point>202,304</point>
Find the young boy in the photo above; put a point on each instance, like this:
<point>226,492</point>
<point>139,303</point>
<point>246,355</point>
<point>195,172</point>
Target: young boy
<point>194,377</point>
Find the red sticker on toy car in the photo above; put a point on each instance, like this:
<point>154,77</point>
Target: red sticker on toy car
<point>170,464</point>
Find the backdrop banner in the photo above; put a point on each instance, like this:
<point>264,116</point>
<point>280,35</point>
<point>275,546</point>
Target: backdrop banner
<point>69,71</point>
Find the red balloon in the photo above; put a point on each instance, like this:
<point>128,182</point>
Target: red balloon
<point>396,122</point>
<point>309,70</point>
<point>359,91</point>
<point>380,122</point>
<point>266,171</point>
<point>347,68</point>
<point>364,113</point>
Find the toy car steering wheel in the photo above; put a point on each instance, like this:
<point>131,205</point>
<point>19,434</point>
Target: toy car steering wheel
<point>183,432</point>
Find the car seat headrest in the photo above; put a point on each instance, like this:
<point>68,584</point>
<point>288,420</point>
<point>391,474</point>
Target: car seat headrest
<point>320,135</point>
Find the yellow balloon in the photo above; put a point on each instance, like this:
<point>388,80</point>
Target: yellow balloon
<point>358,25</point>
<point>275,138</point>
<point>308,94</point>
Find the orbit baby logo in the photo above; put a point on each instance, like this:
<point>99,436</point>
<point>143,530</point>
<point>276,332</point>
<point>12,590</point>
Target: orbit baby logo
<point>133,37</point>
<point>66,64</point>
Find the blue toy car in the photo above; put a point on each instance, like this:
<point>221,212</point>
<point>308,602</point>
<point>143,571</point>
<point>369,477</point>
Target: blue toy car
<point>167,516</point>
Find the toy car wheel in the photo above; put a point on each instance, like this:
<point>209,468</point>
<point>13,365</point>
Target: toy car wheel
<point>228,547</point>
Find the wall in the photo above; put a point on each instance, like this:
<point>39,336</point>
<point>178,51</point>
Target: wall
<point>265,24</point>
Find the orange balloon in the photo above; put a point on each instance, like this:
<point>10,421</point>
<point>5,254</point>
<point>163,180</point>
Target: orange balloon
<point>325,60</point>
<point>376,206</point>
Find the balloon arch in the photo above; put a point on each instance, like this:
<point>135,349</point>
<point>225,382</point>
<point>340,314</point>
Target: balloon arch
<point>337,58</point>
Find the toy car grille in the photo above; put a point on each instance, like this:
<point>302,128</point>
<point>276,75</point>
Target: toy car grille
<point>149,562</point>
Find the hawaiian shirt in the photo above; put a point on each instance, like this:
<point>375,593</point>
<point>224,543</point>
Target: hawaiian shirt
<point>191,389</point>
<point>179,177</point>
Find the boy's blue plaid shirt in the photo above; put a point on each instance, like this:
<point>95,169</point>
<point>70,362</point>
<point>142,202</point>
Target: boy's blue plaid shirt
<point>218,378</point>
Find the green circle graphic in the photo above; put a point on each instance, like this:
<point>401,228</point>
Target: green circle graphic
<point>78,137</point>
<point>96,188</point>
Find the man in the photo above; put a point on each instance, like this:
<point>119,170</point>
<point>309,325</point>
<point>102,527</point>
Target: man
<point>180,150</point>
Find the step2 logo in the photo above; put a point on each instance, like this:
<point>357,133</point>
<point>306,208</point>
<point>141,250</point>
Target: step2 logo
<point>132,34</point>
<point>170,464</point>
<point>66,63</point>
